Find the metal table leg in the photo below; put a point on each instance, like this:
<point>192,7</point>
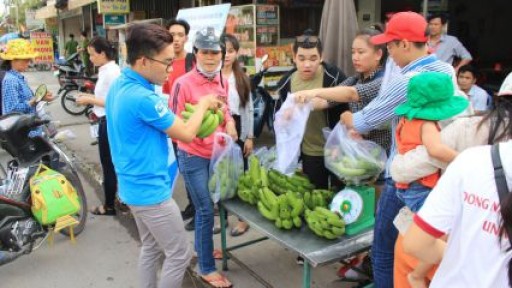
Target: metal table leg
<point>223,237</point>
<point>306,275</point>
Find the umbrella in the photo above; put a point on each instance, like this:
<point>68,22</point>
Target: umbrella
<point>9,36</point>
<point>337,31</point>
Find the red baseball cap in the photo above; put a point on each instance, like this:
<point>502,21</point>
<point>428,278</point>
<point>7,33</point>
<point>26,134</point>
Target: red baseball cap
<point>403,26</point>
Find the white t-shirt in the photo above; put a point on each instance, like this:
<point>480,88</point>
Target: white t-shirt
<point>233,97</point>
<point>465,205</point>
<point>479,98</point>
<point>106,76</point>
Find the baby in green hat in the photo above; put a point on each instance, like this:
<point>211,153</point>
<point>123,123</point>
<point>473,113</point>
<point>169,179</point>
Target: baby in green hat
<point>430,98</point>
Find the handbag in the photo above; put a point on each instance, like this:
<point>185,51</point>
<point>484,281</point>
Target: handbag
<point>52,195</point>
<point>499,178</point>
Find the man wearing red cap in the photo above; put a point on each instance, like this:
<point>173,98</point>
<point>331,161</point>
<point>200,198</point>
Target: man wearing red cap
<point>406,37</point>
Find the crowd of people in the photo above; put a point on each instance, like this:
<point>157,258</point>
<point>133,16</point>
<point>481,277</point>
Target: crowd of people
<point>426,111</point>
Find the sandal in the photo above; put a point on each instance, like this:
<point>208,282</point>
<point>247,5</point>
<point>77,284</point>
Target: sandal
<point>237,231</point>
<point>217,254</point>
<point>102,210</point>
<point>216,280</point>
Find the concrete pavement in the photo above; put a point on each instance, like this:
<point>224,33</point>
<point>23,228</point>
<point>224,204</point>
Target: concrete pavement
<point>268,259</point>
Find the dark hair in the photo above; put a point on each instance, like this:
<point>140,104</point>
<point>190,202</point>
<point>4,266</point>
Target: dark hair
<point>368,33</point>
<point>441,16</point>
<point>145,40</point>
<point>71,35</point>
<point>180,22</point>
<point>243,85</point>
<point>100,44</point>
<point>468,68</point>
<point>500,120</point>
<point>5,65</point>
<point>307,44</point>
<point>83,33</point>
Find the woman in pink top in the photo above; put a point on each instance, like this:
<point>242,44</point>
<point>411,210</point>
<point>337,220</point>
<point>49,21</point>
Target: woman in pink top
<point>194,157</point>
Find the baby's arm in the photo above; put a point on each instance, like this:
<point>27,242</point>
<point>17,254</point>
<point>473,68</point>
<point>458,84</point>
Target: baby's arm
<point>431,138</point>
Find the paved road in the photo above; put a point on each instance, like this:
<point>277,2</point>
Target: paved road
<point>106,254</point>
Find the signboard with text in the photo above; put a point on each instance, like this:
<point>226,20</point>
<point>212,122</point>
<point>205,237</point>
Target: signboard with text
<point>43,45</point>
<point>113,6</point>
<point>201,17</point>
<point>113,19</point>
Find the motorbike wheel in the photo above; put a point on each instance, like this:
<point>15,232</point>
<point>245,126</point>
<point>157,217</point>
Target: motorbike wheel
<point>68,102</point>
<point>82,214</point>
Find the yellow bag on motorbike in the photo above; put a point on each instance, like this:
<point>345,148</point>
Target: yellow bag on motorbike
<point>52,195</point>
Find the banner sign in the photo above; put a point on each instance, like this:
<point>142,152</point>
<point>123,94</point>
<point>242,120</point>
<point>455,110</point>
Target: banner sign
<point>43,45</point>
<point>113,6</point>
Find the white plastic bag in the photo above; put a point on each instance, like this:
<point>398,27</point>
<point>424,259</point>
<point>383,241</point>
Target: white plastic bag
<point>226,166</point>
<point>353,160</point>
<point>289,126</point>
<point>266,156</point>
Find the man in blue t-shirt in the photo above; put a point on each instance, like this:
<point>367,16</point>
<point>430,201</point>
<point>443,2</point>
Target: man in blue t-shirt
<point>139,123</point>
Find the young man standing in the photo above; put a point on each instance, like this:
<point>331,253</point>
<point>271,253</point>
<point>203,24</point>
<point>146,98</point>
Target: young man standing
<point>446,47</point>
<point>310,73</point>
<point>406,40</point>
<point>183,62</point>
<point>71,47</point>
<point>139,123</point>
<point>466,79</point>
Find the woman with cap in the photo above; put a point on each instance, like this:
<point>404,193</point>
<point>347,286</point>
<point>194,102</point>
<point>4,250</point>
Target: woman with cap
<point>430,98</point>
<point>194,158</point>
<point>466,206</point>
<point>16,93</point>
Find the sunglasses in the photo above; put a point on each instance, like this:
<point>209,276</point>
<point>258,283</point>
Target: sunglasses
<point>306,39</point>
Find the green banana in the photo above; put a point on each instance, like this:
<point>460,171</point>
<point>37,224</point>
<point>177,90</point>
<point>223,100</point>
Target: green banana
<point>205,124</point>
<point>186,115</point>
<point>287,224</point>
<point>190,108</point>
<point>279,223</point>
<point>220,114</point>
<point>338,231</point>
<point>265,212</point>
<point>329,235</point>
<point>211,128</point>
<point>297,222</point>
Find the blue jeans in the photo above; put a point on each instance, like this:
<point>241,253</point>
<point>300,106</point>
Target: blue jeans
<point>195,171</point>
<point>385,235</point>
<point>414,196</point>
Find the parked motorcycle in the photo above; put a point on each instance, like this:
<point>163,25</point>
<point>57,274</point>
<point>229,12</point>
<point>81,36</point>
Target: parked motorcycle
<point>70,90</point>
<point>20,233</point>
<point>70,67</point>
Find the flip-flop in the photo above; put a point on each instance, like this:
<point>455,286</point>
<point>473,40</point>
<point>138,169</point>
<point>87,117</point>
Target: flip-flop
<point>103,211</point>
<point>217,254</point>
<point>217,281</point>
<point>237,232</point>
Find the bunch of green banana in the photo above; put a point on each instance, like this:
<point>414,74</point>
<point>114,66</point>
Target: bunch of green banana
<point>325,223</point>
<point>222,181</point>
<point>290,209</point>
<point>250,183</point>
<point>246,190</point>
<point>280,183</point>
<point>317,198</point>
<point>211,120</point>
<point>268,204</point>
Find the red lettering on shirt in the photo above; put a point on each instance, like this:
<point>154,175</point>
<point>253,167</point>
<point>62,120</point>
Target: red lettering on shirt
<point>481,202</point>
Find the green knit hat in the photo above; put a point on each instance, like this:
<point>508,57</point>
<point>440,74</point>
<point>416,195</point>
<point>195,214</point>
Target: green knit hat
<point>431,96</point>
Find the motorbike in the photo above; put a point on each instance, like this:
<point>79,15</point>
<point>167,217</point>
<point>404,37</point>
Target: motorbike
<point>265,105</point>
<point>20,233</point>
<point>70,67</point>
<point>70,90</point>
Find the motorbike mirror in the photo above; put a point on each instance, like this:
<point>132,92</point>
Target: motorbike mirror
<point>40,92</point>
<point>264,59</point>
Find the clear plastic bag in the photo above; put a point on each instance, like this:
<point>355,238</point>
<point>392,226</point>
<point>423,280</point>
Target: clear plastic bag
<point>226,166</point>
<point>266,156</point>
<point>350,159</point>
<point>289,126</point>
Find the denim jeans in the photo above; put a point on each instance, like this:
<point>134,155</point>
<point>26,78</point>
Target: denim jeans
<point>385,235</point>
<point>414,196</point>
<point>195,171</point>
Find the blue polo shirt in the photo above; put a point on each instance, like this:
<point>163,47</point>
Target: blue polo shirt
<point>136,120</point>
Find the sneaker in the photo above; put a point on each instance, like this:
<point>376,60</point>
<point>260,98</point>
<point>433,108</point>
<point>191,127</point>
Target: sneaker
<point>191,226</point>
<point>300,260</point>
<point>188,213</point>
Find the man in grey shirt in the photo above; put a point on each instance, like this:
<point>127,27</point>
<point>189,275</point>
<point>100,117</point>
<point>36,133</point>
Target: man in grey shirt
<point>446,47</point>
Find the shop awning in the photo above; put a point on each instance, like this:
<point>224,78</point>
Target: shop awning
<point>337,31</point>
<point>46,12</point>
<point>72,4</point>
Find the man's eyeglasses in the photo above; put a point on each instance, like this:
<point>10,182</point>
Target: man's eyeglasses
<point>307,39</point>
<point>168,65</point>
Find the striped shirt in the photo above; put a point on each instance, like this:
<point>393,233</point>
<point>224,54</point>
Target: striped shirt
<point>449,47</point>
<point>382,108</point>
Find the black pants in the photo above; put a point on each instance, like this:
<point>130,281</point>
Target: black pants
<point>314,168</point>
<point>109,174</point>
